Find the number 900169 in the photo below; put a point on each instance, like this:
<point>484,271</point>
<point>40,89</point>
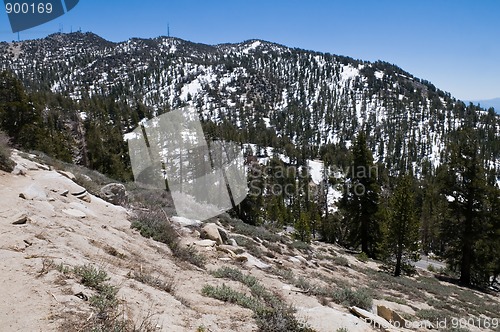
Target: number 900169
<point>28,8</point>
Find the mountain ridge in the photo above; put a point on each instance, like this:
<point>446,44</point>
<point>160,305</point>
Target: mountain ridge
<point>294,96</point>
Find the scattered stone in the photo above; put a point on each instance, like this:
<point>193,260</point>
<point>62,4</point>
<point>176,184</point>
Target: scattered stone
<point>74,213</point>
<point>68,175</point>
<point>254,262</point>
<point>302,260</point>
<point>225,259</point>
<point>20,219</point>
<point>65,193</point>
<point>223,234</point>
<point>205,243</point>
<point>80,192</point>
<point>84,196</point>
<point>241,258</point>
<point>181,221</point>
<point>114,193</point>
<point>211,231</point>
<point>256,238</point>
<point>42,167</point>
<point>232,242</point>
<point>82,296</point>
<point>86,177</point>
<point>226,250</point>
<point>294,260</point>
<point>28,243</point>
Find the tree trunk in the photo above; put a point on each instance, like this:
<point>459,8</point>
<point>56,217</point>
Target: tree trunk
<point>397,270</point>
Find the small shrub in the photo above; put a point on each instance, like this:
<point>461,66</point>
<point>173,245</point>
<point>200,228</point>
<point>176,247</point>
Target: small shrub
<point>156,225</point>
<point>91,276</point>
<point>362,257</point>
<point>429,314</point>
<point>300,246</point>
<point>360,298</point>
<point>341,260</point>
<point>155,282</point>
<point>227,294</point>
<point>6,164</point>
<point>270,311</point>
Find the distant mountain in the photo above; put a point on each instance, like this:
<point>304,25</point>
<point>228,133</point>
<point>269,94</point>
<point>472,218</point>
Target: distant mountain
<point>487,103</point>
<point>295,100</point>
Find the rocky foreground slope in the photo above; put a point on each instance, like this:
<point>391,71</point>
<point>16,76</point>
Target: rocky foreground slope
<point>70,261</point>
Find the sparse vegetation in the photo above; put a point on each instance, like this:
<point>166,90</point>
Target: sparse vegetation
<point>272,314</point>
<point>362,257</point>
<point>156,282</point>
<point>6,164</point>
<point>346,296</point>
<point>156,225</point>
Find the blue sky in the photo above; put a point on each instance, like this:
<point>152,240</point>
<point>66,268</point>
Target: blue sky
<point>455,44</point>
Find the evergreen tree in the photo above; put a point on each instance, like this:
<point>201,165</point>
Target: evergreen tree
<point>402,231</point>
<point>466,190</point>
<point>359,203</point>
<point>303,227</point>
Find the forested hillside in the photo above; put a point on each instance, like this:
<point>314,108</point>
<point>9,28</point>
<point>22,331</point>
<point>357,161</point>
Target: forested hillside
<point>428,165</point>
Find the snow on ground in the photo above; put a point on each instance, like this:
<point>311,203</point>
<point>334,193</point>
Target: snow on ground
<point>252,46</point>
<point>316,170</point>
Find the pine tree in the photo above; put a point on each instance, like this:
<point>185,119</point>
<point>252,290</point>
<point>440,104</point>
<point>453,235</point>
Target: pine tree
<point>466,190</point>
<point>402,231</point>
<point>360,201</point>
<point>303,227</point>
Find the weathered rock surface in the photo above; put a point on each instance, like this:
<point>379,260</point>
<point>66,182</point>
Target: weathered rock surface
<point>33,193</point>
<point>115,193</point>
<point>211,231</point>
<point>184,222</point>
<point>74,213</point>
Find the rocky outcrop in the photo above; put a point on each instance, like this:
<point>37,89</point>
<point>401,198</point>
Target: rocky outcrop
<point>114,193</point>
<point>211,231</point>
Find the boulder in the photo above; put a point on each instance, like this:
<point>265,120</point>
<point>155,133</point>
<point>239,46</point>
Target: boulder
<point>232,242</point>
<point>375,321</point>
<point>211,231</point>
<point>391,316</point>
<point>114,193</point>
